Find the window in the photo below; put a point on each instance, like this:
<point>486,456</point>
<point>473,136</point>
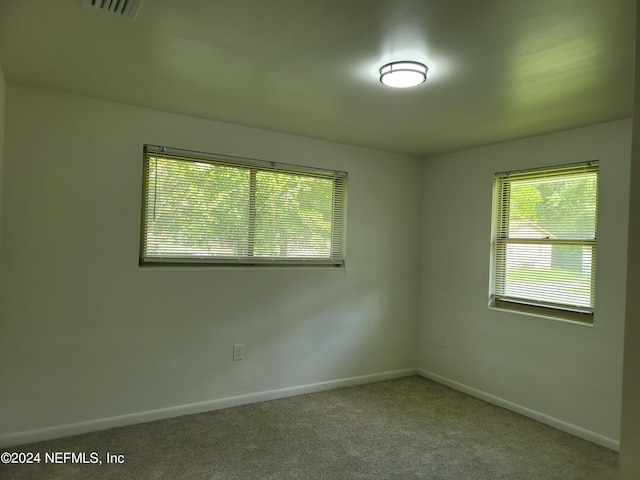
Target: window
<point>544,241</point>
<point>212,209</point>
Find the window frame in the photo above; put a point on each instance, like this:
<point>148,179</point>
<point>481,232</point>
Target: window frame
<point>336,258</point>
<point>500,239</point>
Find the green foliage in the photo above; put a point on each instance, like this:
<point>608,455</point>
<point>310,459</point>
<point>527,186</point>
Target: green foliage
<point>210,209</point>
<point>525,199</point>
<point>293,215</point>
<point>565,206</point>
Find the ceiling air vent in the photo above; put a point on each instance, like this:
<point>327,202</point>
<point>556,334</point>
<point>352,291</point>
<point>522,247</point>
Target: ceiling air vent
<point>123,8</point>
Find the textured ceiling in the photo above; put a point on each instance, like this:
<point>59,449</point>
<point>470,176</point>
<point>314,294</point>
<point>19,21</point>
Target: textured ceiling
<point>498,69</point>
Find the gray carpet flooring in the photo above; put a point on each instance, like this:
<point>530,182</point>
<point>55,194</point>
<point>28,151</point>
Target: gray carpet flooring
<point>408,428</point>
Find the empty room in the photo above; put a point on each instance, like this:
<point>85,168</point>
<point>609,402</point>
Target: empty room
<point>273,239</point>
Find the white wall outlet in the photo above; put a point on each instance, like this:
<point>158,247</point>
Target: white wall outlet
<point>443,340</point>
<point>238,352</point>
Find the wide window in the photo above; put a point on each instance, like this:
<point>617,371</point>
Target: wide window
<point>212,209</point>
<point>544,241</point>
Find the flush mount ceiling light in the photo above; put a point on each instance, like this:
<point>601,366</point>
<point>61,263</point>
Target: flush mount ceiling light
<point>403,74</point>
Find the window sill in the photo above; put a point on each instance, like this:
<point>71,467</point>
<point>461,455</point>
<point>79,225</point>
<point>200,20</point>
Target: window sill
<point>229,268</point>
<point>253,263</point>
<point>539,312</point>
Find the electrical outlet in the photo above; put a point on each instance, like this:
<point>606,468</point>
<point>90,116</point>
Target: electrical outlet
<point>238,352</point>
<point>443,340</point>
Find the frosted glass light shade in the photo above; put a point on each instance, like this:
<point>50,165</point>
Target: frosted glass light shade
<point>403,74</point>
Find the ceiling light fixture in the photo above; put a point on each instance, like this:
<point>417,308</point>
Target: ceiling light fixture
<point>403,74</point>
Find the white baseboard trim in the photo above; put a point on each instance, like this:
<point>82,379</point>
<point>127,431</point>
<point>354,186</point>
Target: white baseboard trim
<point>42,434</point>
<point>527,412</point>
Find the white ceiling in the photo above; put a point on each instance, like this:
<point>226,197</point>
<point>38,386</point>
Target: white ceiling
<point>498,69</point>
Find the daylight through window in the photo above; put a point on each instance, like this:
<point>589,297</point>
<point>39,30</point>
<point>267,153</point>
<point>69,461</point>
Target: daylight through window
<point>544,241</point>
<point>207,209</point>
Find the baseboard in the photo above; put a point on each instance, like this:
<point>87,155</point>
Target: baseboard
<point>527,412</point>
<point>42,434</point>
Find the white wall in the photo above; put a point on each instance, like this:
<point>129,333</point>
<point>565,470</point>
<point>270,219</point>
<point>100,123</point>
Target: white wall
<point>2,108</point>
<point>554,370</point>
<point>630,436</point>
<point>87,334</point>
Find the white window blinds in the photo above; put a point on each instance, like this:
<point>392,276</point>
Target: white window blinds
<point>207,209</point>
<point>544,242</point>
